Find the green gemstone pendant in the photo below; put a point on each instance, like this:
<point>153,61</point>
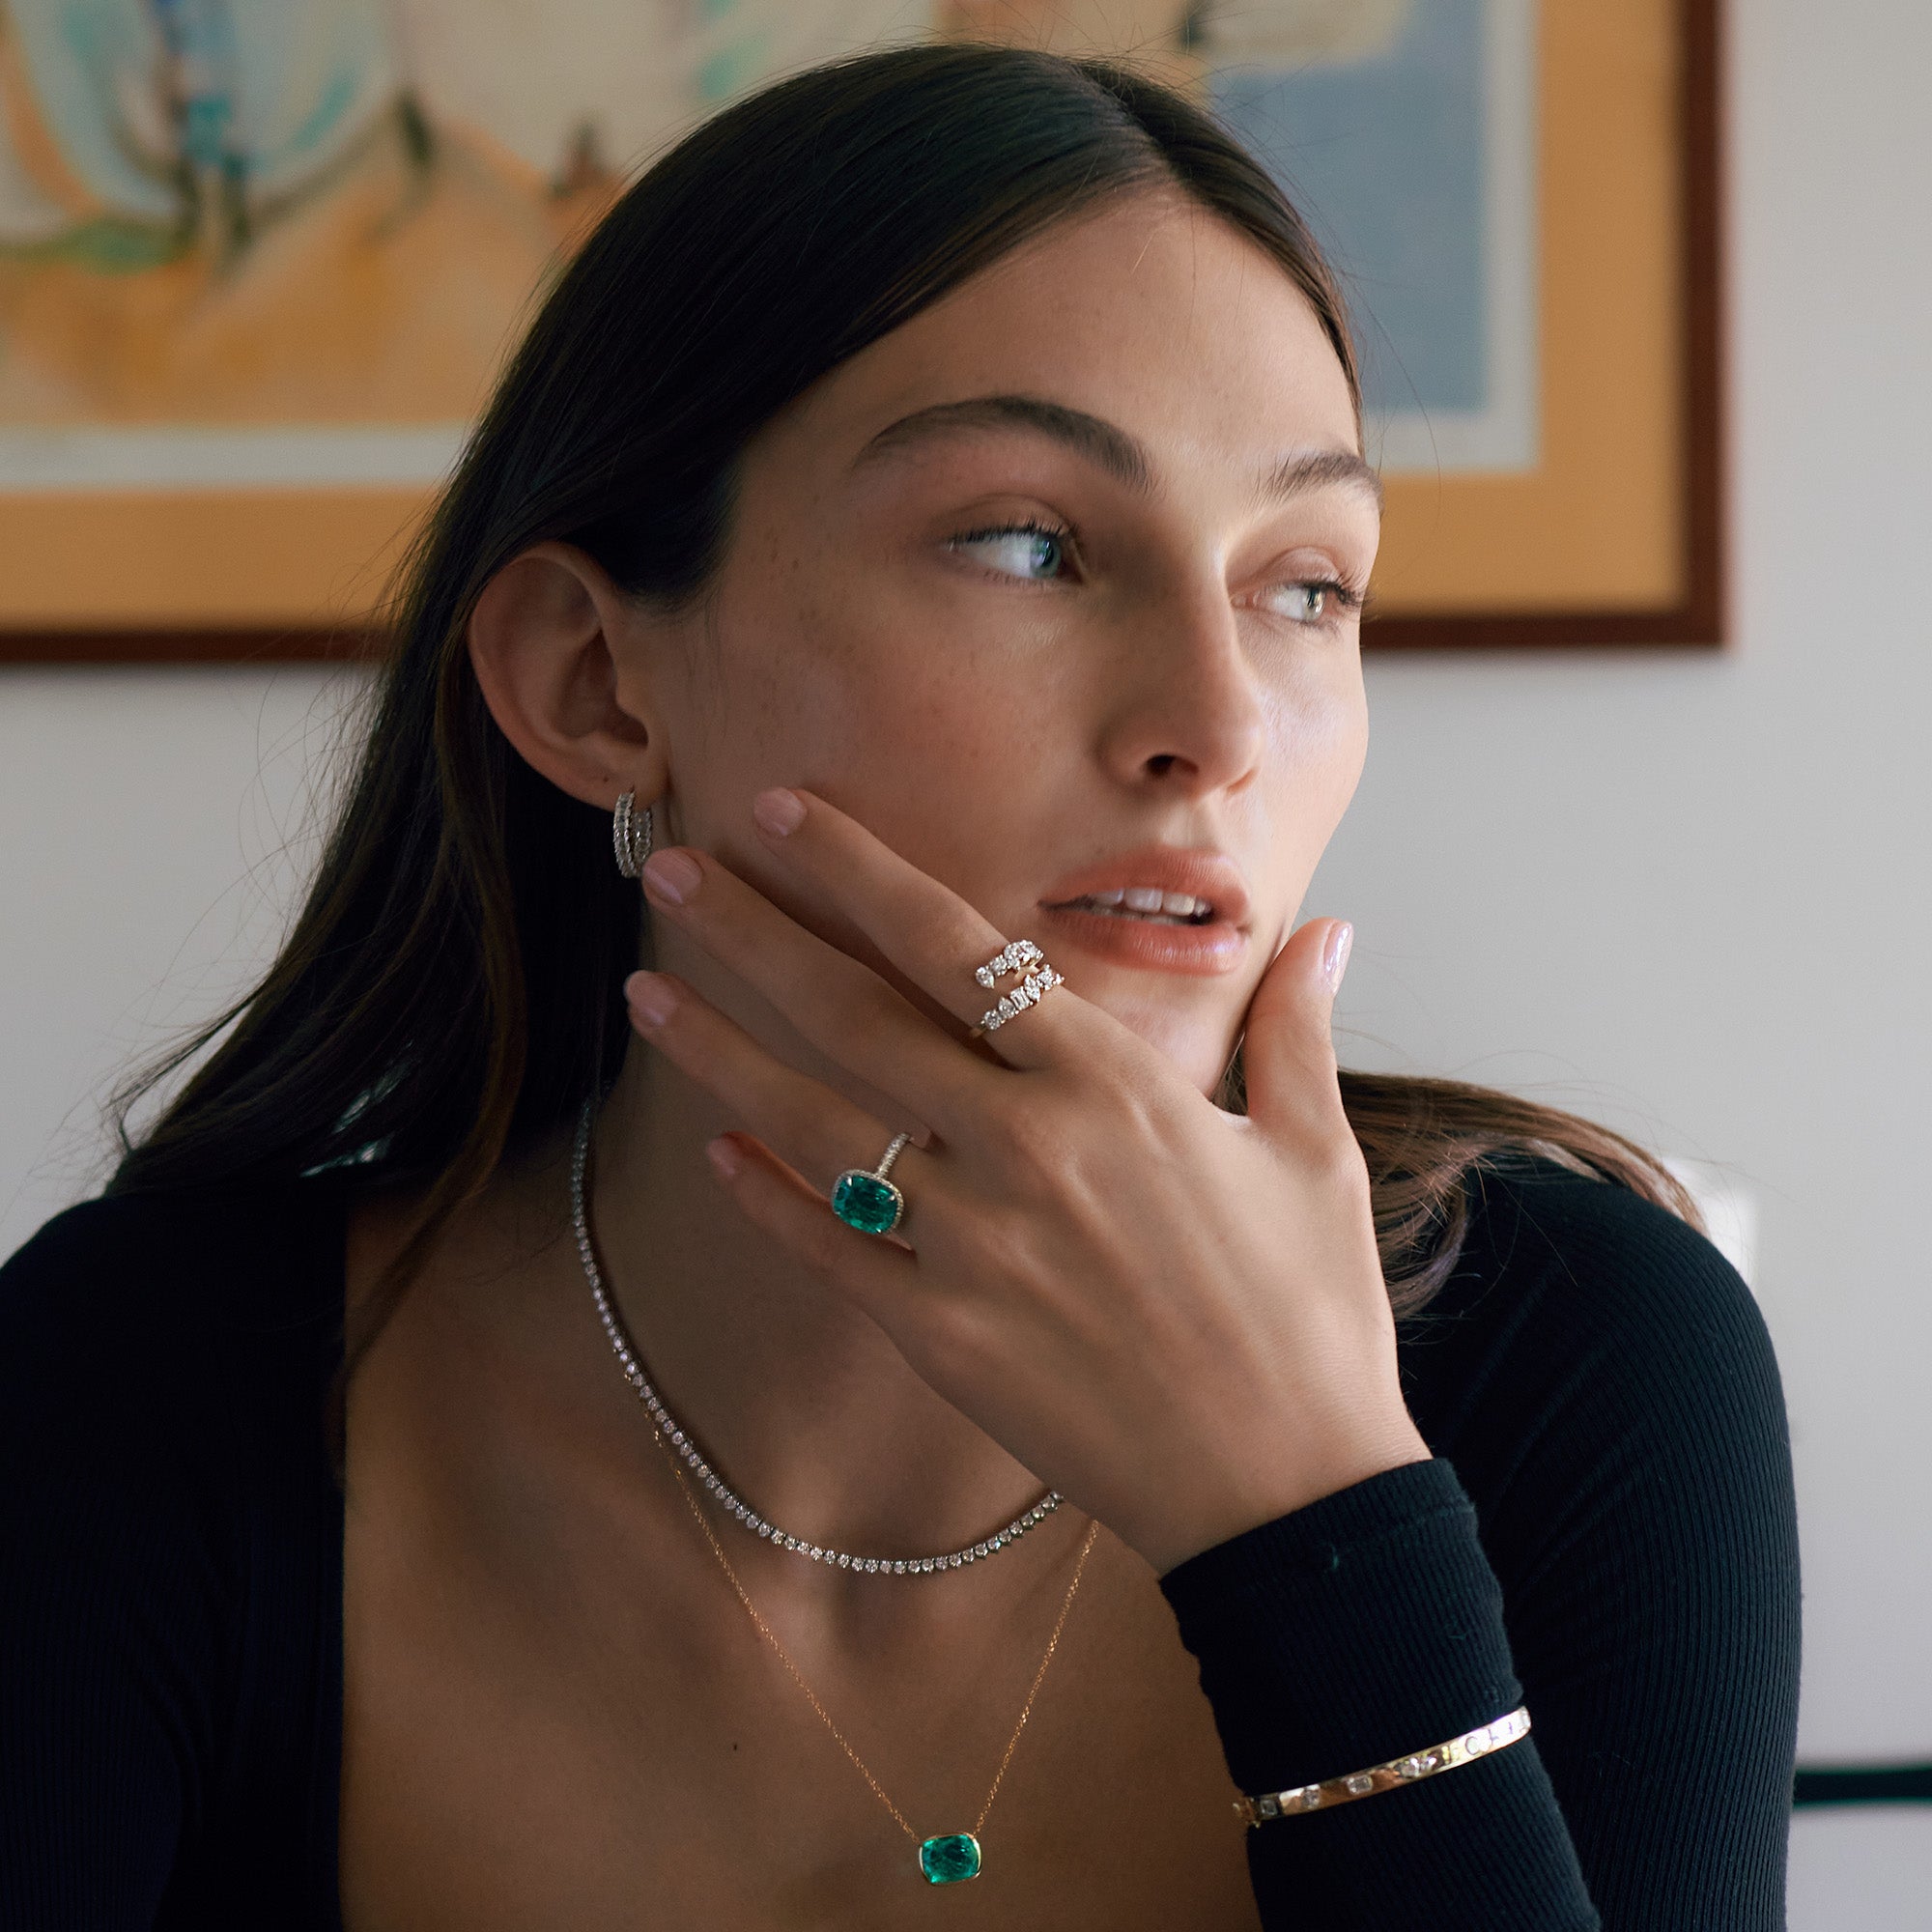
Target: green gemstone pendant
<point>950,1859</point>
<point>866,1202</point>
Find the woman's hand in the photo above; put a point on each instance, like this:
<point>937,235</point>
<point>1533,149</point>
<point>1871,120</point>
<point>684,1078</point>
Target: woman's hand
<point>1172,1314</point>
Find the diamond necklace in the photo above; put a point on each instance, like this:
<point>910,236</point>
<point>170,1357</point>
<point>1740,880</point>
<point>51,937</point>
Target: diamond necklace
<point>671,1434</point>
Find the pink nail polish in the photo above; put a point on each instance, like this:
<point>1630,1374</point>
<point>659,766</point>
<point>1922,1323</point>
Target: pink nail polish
<point>779,810</point>
<point>672,876</point>
<point>651,998</point>
<point>724,1156</point>
<point>1335,953</point>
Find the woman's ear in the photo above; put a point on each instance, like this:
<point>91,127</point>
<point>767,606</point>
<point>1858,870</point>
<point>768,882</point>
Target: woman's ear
<point>544,638</point>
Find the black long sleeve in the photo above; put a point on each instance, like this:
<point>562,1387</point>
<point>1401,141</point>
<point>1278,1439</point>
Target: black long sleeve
<point>1598,1380</point>
<point>171,1568</point>
<point>1607,1535</point>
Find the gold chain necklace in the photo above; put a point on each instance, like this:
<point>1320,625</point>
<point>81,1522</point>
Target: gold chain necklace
<point>951,1855</point>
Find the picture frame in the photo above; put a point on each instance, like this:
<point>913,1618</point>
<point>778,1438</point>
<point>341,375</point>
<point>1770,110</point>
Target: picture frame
<point>1630,145</point>
<point>225,481</point>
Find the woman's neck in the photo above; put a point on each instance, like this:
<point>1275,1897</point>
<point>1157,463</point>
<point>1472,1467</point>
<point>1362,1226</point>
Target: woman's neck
<point>799,1400</point>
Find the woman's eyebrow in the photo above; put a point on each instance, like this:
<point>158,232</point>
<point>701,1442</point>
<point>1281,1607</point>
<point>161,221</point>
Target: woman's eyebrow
<point>1316,469</point>
<point>1113,449</point>
<point>1120,455</point>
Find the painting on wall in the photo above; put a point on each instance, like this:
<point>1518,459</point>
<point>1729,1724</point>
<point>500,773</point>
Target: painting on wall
<point>259,263</point>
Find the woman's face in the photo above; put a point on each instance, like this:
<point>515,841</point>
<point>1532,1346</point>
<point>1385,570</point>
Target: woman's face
<point>1055,588</point>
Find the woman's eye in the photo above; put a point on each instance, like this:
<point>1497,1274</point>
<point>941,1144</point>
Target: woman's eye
<point>1307,603</point>
<point>1029,554</point>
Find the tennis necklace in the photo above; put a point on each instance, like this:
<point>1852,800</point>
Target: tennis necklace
<point>671,1434</point>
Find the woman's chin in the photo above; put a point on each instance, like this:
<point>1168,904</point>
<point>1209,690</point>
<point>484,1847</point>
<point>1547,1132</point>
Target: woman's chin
<point>1198,1048</point>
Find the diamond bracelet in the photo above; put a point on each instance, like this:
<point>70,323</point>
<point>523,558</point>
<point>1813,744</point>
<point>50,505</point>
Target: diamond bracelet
<point>1398,1770</point>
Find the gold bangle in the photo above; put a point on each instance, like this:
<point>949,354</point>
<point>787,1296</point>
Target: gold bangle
<point>1398,1770</point>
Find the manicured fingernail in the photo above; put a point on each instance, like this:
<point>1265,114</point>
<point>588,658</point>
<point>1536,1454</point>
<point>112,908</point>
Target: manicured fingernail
<point>672,875</point>
<point>779,810</point>
<point>1335,954</point>
<point>724,1156</point>
<point>650,996</point>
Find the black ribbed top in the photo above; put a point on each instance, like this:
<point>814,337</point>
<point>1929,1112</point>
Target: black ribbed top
<point>1607,1535</point>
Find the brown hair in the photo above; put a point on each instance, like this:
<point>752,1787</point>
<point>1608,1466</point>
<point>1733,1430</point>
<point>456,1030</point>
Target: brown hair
<point>452,983</point>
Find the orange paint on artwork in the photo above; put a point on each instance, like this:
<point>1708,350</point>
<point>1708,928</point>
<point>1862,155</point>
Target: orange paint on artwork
<point>389,296</point>
<point>1070,26</point>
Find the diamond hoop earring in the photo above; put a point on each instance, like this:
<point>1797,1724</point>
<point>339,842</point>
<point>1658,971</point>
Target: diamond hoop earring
<point>631,834</point>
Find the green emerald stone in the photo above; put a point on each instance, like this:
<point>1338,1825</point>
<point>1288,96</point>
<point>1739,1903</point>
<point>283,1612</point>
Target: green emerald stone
<point>865,1202</point>
<point>946,1861</point>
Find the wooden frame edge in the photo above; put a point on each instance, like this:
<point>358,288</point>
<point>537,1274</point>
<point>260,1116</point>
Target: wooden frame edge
<point>293,644</point>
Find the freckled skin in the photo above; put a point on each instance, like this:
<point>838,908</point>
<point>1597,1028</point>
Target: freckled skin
<point>849,653</point>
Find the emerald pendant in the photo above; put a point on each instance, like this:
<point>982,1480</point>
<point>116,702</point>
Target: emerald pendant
<point>865,1202</point>
<point>951,1858</point>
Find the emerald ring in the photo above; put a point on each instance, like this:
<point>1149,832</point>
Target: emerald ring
<point>863,1197</point>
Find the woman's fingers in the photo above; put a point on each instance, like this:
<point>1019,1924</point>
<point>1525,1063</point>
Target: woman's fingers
<point>878,1275</point>
<point>801,1136</point>
<point>809,1126</point>
<point>932,934</point>
<point>1288,1048</point>
<point>835,1001</point>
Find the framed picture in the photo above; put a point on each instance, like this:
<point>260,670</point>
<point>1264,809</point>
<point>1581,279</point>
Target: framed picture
<point>258,265</point>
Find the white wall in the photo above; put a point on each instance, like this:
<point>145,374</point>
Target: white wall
<point>152,825</point>
<point>1689,893</point>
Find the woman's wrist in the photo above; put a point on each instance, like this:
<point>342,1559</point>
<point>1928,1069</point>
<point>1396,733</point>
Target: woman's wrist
<point>1342,1633</point>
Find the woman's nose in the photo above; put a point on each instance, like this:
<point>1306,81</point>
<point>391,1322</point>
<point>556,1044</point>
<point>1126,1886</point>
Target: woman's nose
<point>1185,707</point>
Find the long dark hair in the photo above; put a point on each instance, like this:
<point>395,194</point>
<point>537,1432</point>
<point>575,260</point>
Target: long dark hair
<point>452,984</point>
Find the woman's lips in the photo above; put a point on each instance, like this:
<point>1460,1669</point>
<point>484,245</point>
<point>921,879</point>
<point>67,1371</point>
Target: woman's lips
<point>1161,946</point>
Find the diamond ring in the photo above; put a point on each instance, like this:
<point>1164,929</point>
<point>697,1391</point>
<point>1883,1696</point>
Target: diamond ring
<point>1023,956</point>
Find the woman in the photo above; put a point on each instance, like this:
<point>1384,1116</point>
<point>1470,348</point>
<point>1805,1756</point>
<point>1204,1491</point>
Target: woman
<point>929,516</point>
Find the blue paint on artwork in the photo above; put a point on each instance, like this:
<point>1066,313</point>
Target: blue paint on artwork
<point>726,74</point>
<point>265,91</point>
<point>1385,158</point>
